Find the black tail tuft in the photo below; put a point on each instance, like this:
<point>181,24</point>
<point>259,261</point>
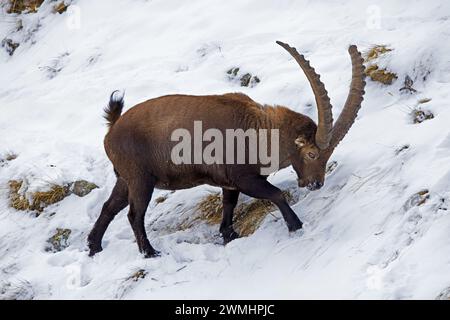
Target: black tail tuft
<point>114,108</point>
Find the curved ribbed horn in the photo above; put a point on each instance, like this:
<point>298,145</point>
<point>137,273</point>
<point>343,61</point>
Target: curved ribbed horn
<point>325,115</point>
<point>353,102</point>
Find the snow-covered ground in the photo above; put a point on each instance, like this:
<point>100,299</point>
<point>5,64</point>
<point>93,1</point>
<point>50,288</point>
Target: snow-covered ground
<point>366,234</point>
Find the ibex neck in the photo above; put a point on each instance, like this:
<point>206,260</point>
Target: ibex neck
<point>287,122</point>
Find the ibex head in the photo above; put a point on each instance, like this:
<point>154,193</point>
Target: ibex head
<point>313,151</point>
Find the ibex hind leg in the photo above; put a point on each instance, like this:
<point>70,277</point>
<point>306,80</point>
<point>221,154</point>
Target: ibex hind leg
<point>117,201</point>
<point>140,193</point>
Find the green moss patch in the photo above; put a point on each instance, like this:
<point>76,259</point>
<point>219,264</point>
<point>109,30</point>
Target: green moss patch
<point>82,187</point>
<point>59,241</point>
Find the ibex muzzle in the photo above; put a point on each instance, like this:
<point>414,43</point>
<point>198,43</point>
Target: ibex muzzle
<point>139,146</point>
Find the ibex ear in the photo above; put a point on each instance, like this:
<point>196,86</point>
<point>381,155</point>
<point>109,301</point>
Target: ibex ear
<point>300,142</point>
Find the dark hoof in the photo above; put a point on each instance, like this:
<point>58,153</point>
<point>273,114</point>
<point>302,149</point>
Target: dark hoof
<point>295,226</point>
<point>152,254</point>
<point>94,249</point>
<point>230,236</point>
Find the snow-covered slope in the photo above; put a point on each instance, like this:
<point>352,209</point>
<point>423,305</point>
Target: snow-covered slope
<point>367,233</point>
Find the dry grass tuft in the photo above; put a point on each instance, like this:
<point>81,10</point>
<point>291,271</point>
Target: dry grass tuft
<point>424,100</point>
<point>211,208</point>
<point>11,156</point>
<point>160,199</point>
<point>17,200</point>
<point>140,274</point>
<point>39,199</point>
<point>60,7</point>
<point>375,52</point>
<point>373,71</point>
<point>42,199</point>
<point>247,218</point>
<point>19,6</point>
<point>380,75</point>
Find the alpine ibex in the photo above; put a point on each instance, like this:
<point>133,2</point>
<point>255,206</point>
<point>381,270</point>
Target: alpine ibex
<point>139,146</point>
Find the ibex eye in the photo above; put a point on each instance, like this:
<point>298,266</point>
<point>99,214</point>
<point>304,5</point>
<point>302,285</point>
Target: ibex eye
<point>311,155</point>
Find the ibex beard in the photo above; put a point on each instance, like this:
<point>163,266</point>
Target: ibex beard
<point>236,146</point>
<point>145,149</point>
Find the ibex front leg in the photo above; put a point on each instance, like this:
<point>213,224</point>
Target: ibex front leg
<point>230,198</point>
<point>259,187</point>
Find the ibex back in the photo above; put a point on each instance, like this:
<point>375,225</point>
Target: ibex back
<point>140,146</point>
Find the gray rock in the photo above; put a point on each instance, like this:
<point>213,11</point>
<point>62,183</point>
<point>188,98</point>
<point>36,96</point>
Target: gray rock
<point>9,45</point>
<point>245,80</point>
<point>82,187</point>
<point>59,241</point>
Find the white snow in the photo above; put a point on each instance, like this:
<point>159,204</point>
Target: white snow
<point>362,239</point>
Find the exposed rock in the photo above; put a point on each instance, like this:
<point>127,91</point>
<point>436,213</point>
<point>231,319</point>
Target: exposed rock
<point>419,115</point>
<point>246,80</point>
<point>407,86</point>
<point>233,71</point>
<point>401,149</point>
<point>82,187</point>
<point>59,241</point>
<point>9,45</point>
<point>417,199</point>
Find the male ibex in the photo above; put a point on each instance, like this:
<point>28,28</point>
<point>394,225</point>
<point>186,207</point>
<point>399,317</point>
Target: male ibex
<point>139,145</point>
